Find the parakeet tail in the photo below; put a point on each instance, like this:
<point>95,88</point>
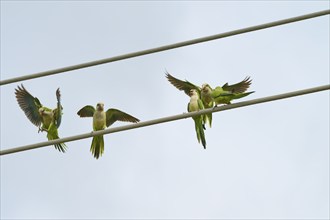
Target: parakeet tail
<point>202,135</point>
<point>52,134</point>
<point>200,132</point>
<point>97,147</point>
<point>60,147</point>
<point>209,119</point>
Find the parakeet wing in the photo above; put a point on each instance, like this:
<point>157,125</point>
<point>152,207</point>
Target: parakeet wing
<point>58,112</point>
<point>238,87</point>
<point>200,104</point>
<point>87,111</point>
<point>182,85</point>
<point>218,91</point>
<point>117,115</point>
<point>29,104</point>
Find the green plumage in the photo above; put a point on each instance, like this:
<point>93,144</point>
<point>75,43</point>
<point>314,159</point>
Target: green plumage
<point>44,118</point>
<point>196,104</point>
<point>101,120</point>
<point>200,131</point>
<point>226,93</point>
<point>97,147</point>
<point>187,86</point>
<point>52,134</point>
<point>224,97</point>
<point>220,95</point>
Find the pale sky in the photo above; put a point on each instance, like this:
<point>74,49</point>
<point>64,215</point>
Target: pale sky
<point>266,161</point>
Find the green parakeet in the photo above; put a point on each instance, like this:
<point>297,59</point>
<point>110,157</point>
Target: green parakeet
<point>211,97</point>
<point>44,118</point>
<point>186,86</point>
<point>101,120</point>
<point>226,93</point>
<point>196,104</point>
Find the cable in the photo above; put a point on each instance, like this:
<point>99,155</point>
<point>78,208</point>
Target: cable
<point>166,47</point>
<point>166,119</point>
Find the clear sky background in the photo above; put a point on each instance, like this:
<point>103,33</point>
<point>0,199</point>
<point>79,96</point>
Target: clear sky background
<point>264,161</point>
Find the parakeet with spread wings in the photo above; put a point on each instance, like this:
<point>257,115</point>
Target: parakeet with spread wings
<point>101,120</point>
<point>210,97</point>
<point>44,118</point>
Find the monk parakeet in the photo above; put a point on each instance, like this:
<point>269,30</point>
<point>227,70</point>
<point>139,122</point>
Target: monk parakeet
<point>196,104</point>
<point>220,95</point>
<point>186,86</point>
<point>226,93</point>
<point>44,118</point>
<point>101,120</point>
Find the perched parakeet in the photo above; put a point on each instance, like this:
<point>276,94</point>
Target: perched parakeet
<point>210,97</point>
<point>196,104</point>
<point>101,120</point>
<point>186,87</point>
<point>226,93</point>
<point>44,118</point>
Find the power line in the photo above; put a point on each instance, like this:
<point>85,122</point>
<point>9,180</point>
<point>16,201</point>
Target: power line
<point>166,47</point>
<point>166,119</point>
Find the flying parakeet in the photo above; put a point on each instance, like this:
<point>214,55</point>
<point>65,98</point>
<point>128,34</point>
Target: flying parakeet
<point>101,120</point>
<point>196,104</point>
<point>186,87</point>
<point>44,118</point>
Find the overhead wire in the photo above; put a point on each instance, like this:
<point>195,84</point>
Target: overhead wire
<point>166,119</point>
<point>155,50</point>
<point>166,47</point>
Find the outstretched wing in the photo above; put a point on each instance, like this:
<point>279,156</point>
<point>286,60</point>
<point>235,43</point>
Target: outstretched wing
<point>114,115</point>
<point>58,111</point>
<point>87,111</point>
<point>29,104</point>
<point>182,85</point>
<point>238,87</point>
